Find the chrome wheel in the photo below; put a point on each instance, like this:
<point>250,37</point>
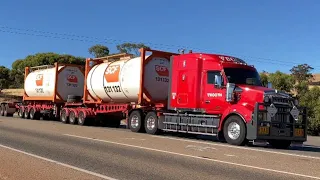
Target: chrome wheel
<point>234,130</point>
<point>81,118</point>
<point>134,121</point>
<point>151,123</point>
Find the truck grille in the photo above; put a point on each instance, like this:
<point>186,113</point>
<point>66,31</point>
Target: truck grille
<point>284,104</point>
<point>281,100</point>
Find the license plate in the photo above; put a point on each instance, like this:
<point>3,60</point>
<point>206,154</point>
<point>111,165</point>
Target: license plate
<point>298,132</point>
<point>263,130</point>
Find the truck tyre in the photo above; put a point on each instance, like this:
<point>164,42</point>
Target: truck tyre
<point>32,113</point>
<point>20,112</point>
<point>72,117</point>
<point>234,131</point>
<point>2,110</point>
<point>26,114</point>
<point>280,144</point>
<point>5,111</point>
<point>81,118</point>
<point>151,123</point>
<point>135,121</point>
<point>64,117</point>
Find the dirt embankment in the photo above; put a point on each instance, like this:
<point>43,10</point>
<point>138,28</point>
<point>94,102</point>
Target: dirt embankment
<point>8,95</point>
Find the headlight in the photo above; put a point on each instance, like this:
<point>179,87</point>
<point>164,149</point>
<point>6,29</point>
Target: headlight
<point>296,102</point>
<point>266,99</point>
<point>262,116</point>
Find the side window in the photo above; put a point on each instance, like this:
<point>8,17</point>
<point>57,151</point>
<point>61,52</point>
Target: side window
<point>211,75</point>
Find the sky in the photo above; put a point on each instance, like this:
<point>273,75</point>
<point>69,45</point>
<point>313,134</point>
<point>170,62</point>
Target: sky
<point>271,35</point>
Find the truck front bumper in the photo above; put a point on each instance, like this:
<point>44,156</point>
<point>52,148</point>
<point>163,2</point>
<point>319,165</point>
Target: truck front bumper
<point>277,125</point>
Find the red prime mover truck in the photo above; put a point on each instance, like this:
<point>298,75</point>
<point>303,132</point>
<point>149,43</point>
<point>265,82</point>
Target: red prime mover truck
<point>197,93</point>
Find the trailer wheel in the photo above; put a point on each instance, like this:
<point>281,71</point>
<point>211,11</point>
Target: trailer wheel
<point>64,117</point>
<point>2,110</point>
<point>151,123</point>
<point>32,113</point>
<point>280,144</point>
<point>5,111</point>
<point>72,117</point>
<point>81,118</point>
<point>135,121</point>
<point>20,112</point>
<point>26,114</point>
<point>235,131</point>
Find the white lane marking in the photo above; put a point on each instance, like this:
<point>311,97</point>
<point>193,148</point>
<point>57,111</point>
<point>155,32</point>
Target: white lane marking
<point>310,146</point>
<point>238,147</point>
<point>229,155</point>
<point>59,163</point>
<point>195,157</point>
<point>200,148</point>
<point>134,139</point>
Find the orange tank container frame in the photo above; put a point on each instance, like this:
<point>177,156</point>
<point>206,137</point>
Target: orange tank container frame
<point>56,98</point>
<point>93,107</point>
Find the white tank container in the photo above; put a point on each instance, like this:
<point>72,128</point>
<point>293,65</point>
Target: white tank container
<point>119,81</point>
<point>41,83</point>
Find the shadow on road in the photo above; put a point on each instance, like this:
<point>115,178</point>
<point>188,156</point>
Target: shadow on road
<point>203,138</point>
<point>306,148</point>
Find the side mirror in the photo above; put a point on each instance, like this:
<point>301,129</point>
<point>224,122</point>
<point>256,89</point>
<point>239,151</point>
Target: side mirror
<point>218,81</point>
<point>229,93</point>
<point>269,85</point>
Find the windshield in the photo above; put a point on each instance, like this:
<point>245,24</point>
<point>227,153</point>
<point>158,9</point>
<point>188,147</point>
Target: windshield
<point>243,76</point>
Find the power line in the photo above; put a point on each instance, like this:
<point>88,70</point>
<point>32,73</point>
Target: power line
<point>106,40</point>
<point>109,40</point>
<point>113,41</point>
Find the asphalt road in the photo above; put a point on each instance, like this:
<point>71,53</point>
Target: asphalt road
<point>51,150</point>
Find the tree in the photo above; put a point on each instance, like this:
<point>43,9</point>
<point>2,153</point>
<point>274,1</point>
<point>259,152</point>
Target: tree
<point>281,81</point>
<point>16,77</point>
<point>311,100</point>
<point>302,77</point>
<point>302,73</point>
<point>264,78</point>
<point>99,50</point>
<point>49,58</point>
<point>4,80</point>
<point>131,48</point>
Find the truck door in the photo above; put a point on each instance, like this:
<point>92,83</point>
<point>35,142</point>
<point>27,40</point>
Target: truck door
<point>213,96</point>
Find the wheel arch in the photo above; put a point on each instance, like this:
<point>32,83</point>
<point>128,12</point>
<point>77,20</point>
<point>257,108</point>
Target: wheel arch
<point>229,115</point>
<point>243,138</point>
<point>136,109</point>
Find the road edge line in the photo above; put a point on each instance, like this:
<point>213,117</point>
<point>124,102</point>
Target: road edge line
<point>238,147</point>
<point>59,163</point>
<point>195,157</point>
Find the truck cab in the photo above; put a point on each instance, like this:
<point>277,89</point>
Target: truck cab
<point>225,94</point>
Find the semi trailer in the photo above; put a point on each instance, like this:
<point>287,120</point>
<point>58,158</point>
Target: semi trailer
<point>197,93</point>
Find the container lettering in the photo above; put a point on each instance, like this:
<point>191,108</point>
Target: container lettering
<point>72,85</point>
<point>112,73</point>
<point>111,89</point>
<point>162,79</point>
<point>214,94</point>
<point>162,70</point>
<point>226,58</point>
<point>39,90</point>
<point>39,79</point>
